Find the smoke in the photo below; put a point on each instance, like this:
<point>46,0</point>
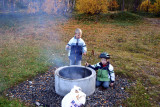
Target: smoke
<point>55,55</point>
<point>37,21</point>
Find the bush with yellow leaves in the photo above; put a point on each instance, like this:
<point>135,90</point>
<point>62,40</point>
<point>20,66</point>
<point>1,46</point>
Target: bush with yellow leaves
<point>113,5</point>
<point>155,8</point>
<point>145,5</point>
<point>92,6</point>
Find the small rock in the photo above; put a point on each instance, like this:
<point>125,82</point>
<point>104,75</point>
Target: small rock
<point>38,104</point>
<point>30,82</point>
<point>122,88</point>
<point>11,96</point>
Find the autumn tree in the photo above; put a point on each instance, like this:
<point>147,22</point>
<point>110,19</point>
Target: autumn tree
<point>92,6</point>
<point>113,5</point>
<point>145,5</point>
<point>155,8</point>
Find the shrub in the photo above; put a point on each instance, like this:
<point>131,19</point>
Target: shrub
<point>113,5</point>
<point>145,5</point>
<point>126,16</point>
<point>92,6</point>
<point>139,97</point>
<point>155,8</point>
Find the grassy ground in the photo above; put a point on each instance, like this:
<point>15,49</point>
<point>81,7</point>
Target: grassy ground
<point>30,45</point>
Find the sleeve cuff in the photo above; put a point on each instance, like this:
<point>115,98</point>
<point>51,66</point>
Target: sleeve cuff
<point>112,81</point>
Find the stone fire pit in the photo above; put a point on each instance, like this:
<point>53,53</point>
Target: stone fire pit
<point>68,76</point>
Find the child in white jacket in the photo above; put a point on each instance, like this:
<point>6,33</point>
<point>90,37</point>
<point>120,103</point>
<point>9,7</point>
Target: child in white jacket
<point>76,47</point>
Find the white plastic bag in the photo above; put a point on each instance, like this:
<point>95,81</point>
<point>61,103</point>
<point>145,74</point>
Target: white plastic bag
<point>75,98</point>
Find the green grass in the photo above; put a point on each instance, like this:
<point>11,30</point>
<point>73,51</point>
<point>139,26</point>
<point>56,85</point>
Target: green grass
<point>4,102</point>
<point>154,80</point>
<point>22,60</point>
<point>145,14</point>
<point>126,16</point>
<point>139,96</point>
<point>144,44</point>
<point>120,18</point>
<point>19,62</point>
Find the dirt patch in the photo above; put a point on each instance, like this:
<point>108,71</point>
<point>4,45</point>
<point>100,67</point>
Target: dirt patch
<point>155,21</point>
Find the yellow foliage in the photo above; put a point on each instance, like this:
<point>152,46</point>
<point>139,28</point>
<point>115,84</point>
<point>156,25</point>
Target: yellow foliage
<point>152,8</point>
<point>148,7</point>
<point>145,5</point>
<point>92,6</point>
<point>155,8</point>
<point>113,5</point>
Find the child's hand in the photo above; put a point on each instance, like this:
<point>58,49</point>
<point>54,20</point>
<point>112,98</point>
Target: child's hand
<point>111,84</point>
<point>84,53</point>
<point>67,47</point>
<point>86,64</point>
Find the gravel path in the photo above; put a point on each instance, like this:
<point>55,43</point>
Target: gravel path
<point>41,91</point>
<point>155,21</point>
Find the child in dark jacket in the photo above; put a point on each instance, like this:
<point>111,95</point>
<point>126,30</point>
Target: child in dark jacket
<point>105,72</point>
<point>76,47</point>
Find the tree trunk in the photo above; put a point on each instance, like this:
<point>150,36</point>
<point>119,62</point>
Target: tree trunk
<point>135,5</point>
<point>123,5</point>
<point>148,6</point>
<point>73,5</point>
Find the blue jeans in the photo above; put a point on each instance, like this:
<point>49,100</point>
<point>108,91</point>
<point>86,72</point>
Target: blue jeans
<point>75,62</point>
<point>105,84</point>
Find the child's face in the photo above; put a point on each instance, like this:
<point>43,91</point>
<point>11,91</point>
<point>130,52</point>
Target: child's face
<point>104,61</point>
<point>78,35</point>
